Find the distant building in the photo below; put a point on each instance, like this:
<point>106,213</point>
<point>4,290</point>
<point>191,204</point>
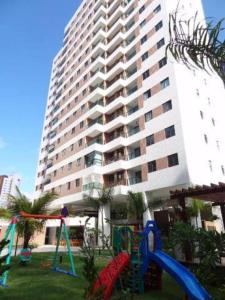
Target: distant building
<point>8,187</point>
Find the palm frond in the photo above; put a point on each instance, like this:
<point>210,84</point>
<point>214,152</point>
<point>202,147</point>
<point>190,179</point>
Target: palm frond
<point>197,44</point>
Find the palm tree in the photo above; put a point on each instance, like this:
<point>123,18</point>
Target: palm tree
<point>135,206</point>
<point>197,44</point>
<point>26,227</point>
<point>194,209</point>
<point>3,267</point>
<point>105,197</point>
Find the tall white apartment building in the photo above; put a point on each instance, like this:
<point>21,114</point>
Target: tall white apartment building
<point>120,114</point>
<point>8,186</point>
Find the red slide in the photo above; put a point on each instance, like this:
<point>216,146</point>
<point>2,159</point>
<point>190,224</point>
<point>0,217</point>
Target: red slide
<point>108,276</point>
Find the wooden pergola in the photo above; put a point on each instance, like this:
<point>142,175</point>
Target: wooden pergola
<point>214,193</point>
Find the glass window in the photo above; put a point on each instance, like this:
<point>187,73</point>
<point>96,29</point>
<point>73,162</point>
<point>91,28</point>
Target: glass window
<point>148,116</point>
<point>160,43</point>
<point>144,39</point>
<point>141,9</point>
<point>173,160</point>
<point>170,131</point>
<point>144,56</point>
<point>165,83</point>
<point>152,166</point>
<point>157,9</point>
<point>77,182</point>
<point>150,140</point>
<point>167,106</point>
<point>143,23</point>
<point>147,94</point>
<point>162,62</point>
<point>158,26</point>
<point>146,74</point>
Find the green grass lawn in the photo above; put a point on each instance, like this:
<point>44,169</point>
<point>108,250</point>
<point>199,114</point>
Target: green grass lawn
<point>35,282</point>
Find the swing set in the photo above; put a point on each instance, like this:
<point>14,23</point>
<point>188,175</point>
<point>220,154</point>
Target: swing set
<point>25,254</point>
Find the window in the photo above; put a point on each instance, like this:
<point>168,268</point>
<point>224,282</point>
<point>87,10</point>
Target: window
<point>80,142</point>
<point>152,166</point>
<point>78,162</point>
<point>210,165</point>
<point>173,160</point>
<point>162,62</point>
<point>81,124</point>
<point>77,182</point>
<point>197,92</point>
<point>201,114</point>
<point>157,9</point>
<point>68,185</point>
<point>69,166</point>
<point>142,24</point>
<point>158,26</point>
<point>146,74</point>
<point>213,122</point>
<point>144,56</point>
<point>72,147</point>
<point>170,131</point>
<point>167,106</point>
<point>147,94</point>
<point>160,43</point>
<point>73,130</point>
<point>223,170</point>
<point>165,83</point>
<point>150,140</point>
<point>148,116</point>
<point>141,9</point>
<point>144,39</point>
<point>55,173</point>
<point>56,156</point>
<point>206,138</point>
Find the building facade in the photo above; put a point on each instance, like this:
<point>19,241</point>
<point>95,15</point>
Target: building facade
<point>8,184</point>
<point>119,113</point>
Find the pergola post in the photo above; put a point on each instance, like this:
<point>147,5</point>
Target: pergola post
<point>222,208</point>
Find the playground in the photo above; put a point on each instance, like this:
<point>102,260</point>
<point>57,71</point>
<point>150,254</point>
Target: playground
<point>138,265</point>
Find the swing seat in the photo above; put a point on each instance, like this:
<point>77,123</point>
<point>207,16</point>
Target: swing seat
<point>25,255</point>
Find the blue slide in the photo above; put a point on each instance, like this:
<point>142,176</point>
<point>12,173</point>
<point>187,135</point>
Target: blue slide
<point>182,275</point>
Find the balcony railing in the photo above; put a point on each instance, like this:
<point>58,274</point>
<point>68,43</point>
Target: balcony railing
<point>115,159</point>
<point>93,122</point>
<point>118,182</point>
<point>117,135</point>
<point>134,180</point>
<point>95,141</point>
<point>99,102</point>
<point>133,131</point>
<point>93,162</point>
<point>92,186</point>
<point>132,110</point>
<point>114,116</point>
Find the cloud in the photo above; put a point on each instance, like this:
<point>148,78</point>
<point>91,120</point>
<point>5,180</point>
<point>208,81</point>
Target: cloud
<point>2,143</point>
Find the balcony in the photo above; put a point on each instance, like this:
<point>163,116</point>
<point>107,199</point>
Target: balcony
<point>134,153</point>
<point>51,148</point>
<point>95,141</point>
<point>132,110</point>
<point>115,136</point>
<point>111,160</point>
<point>117,182</point>
<point>92,186</point>
<point>93,162</point>
<point>49,164</point>
<point>52,134</point>
<point>134,130</point>
<point>96,121</point>
<point>99,102</point>
<point>134,180</point>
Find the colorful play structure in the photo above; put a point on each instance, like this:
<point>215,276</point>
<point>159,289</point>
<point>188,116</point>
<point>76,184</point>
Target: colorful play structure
<point>26,255</point>
<point>139,262</point>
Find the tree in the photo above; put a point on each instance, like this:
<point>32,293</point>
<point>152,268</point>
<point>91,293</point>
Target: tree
<point>3,268</point>
<point>25,227</point>
<point>197,43</point>
<point>135,206</point>
<point>104,197</point>
<point>194,209</point>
